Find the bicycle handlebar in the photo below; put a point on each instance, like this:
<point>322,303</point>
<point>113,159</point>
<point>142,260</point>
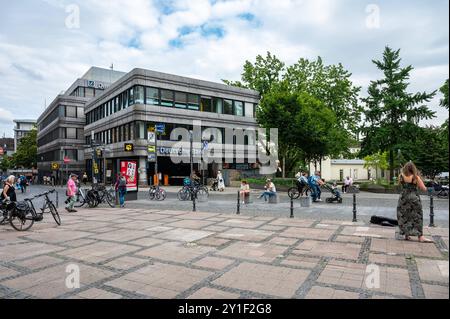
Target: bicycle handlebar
<point>40,195</point>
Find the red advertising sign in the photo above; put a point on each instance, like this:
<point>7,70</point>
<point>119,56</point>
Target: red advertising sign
<point>129,170</point>
<point>2,152</point>
<point>66,160</point>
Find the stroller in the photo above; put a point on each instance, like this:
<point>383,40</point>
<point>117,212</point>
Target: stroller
<point>336,195</point>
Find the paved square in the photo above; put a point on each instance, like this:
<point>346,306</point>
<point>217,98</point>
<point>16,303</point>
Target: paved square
<point>149,253</point>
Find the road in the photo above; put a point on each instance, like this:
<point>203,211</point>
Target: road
<point>368,204</point>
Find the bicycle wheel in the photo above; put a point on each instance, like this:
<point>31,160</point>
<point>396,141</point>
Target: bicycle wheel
<point>22,223</point>
<point>293,193</point>
<point>161,195</point>
<point>110,200</point>
<point>55,213</point>
<point>184,194</point>
<point>80,202</point>
<point>151,193</point>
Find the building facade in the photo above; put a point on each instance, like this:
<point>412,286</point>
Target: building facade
<point>123,119</point>
<point>61,125</point>
<point>21,129</point>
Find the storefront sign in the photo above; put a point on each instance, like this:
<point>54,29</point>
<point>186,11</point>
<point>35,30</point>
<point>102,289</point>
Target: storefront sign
<point>129,170</point>
<point>178,151</point>
<point>55,166</point>
<point>129,147</point>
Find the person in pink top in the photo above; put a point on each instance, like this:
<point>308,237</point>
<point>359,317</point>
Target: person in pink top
<point>72,191</point>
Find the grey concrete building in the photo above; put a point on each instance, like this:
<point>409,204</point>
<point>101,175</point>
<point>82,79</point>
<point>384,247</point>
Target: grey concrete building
<point>127,112</point>
<point>61,125</point>
<point>21,129</point>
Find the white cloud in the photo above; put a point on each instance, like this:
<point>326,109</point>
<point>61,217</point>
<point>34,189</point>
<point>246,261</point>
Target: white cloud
<point>40,57</point>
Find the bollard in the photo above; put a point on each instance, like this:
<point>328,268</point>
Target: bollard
<point>238,211</point>
<point>292,208</point>
<point>432,211</point>
<point>57,199</point>
<point>193,195</point>
<point>354,209</point>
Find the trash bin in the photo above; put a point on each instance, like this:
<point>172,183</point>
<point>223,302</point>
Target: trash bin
<point>305,201</point>
<point>166,180</point>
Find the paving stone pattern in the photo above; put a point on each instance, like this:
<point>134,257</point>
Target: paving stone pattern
<point>151,254</point>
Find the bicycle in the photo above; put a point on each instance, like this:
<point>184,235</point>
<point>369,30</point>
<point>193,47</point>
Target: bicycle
<point>81,198</point>
<point>188,191</point>
<point>299,190</point>
<point>98,195</point>
<point>157,193</point>
<point>21,216</point>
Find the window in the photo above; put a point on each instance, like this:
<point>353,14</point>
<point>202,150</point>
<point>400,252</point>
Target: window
<point>132,130</point>
<point>140,130</point>
<point>80,133</point>
<point>166,98</point>
<point>139,94</point>
<point>130,97</point>
<point>206,105</point>
<point>180,100</point>
<point>217,106</point>
<point>238,108</point>
<point>193,102</point>
<point>89,92</point>
<point>152,96</point>
<point>228,107</point>
<point>124,101</point>
<point>80,112</point>
<point>71,111</point>
<point>71,133</point>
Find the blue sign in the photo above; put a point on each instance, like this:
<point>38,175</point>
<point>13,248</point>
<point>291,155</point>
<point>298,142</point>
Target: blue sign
<point>160,128</point>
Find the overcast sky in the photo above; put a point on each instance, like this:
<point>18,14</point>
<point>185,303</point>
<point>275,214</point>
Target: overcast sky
<point>44,47</point>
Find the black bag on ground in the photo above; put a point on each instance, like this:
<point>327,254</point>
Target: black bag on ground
<point>383,221</point>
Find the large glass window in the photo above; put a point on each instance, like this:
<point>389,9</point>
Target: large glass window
<point>130,96</point>
<point>89,92</point>
<point>140,130</point>
<point>238,108</point>
<point>71,133</point>
<point>166,98</point>
<point>228,107</point>
<point>180,100</point>
<point>139,94</point>
<point>152,96</point>
<point>193,102</point>
<point>71,111</point>
<point>124,100</point>
<point>80,112</point>
<point>217,105</point>
<point>132,131</point>
<point>206,105</point>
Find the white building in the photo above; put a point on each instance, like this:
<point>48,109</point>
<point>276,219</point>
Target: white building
<point>21,129</point>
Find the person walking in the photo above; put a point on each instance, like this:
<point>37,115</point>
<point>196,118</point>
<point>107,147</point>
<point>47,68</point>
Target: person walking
<point>121,189</point>
<point>348,182</point>
<point>23,183</point>
<point>71,193</point>
<point>315,182</point>
<point>409,208</point>
<point>8,193</point>
<point>85,178</point>
<point>220,182</point>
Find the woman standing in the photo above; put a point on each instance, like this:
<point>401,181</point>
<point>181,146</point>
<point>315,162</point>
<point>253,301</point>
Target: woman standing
<point>121,188</point>
<point>409,209</point>
<point>220,182</point>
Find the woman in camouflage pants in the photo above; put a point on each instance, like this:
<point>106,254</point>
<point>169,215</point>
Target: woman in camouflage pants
<point>409,209</point>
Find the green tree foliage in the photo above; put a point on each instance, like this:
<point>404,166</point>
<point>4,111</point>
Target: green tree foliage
<point>377,161</point>
<point>26,155</point>
<point>444,91</point>
<point>323,95</point>
<point>6,163</point>
<point>392,114</point>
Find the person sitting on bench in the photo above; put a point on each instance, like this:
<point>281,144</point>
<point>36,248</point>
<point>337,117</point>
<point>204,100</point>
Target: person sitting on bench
<point>270,190</point>
<point>245,192</point>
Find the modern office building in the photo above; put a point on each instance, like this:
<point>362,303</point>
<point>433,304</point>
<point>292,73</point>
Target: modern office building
<point>61,125</point>
<point>124,117</point>
<point>21,129</point>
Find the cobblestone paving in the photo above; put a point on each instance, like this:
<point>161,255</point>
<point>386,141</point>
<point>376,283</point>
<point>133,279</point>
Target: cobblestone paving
<point>146,253</point>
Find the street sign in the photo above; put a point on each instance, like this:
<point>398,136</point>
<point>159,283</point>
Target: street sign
<point>151,149</point>
<point>152,157</point>
<point>55,166</point>
<point>129,147</point>
<point>160,128</point>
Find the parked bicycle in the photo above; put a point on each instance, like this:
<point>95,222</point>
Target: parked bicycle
<point>189,190</point>
<point>99,195</point>
<point>22,215</point>
<point>157,193</point>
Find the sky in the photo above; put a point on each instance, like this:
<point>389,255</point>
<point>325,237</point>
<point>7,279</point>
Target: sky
<point>45,45</point>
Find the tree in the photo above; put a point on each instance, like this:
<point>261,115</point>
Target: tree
<point>6,163</point>
<point>444,91</point>
<point>376,161</point>
<point>392,114</point>
<point>26,155</point>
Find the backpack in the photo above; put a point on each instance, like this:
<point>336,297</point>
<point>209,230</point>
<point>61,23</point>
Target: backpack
<point>122,182</point>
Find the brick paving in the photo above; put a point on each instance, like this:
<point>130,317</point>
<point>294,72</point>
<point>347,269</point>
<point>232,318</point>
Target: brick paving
<point>147,253</point>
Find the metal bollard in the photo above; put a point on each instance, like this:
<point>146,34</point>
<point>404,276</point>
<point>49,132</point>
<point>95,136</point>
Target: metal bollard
<point>193,195</point>
<point>57,199</point>
<point>354,209</point>
<point>238,212</point>
<point>432,211</point>
<point>292,208</point>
